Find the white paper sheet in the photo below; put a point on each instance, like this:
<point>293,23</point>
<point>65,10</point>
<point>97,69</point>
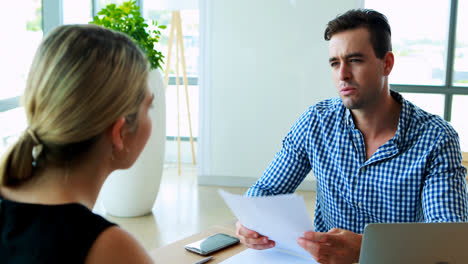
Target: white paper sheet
<point>282,218</point>
<point>270,256</point>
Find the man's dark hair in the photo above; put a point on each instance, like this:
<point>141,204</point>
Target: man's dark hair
<point>375,22</point>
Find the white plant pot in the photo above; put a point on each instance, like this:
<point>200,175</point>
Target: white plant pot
<point>132,192</point>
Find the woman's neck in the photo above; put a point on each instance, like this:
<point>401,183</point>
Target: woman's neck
<point>61,185</point>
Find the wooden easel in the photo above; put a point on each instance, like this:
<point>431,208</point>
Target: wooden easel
<point>176,27</point>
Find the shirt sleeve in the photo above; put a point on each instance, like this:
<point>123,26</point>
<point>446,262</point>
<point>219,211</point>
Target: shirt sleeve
<point>291,164</point>
<point>444,194</point>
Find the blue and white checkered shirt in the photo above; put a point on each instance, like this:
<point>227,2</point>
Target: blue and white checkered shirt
<point>416,176</point>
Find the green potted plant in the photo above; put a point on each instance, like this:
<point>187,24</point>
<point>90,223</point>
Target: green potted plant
<point>126,18</point>
<point>132,192</point>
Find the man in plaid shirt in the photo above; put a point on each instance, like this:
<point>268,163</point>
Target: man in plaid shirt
<point>377,157</point>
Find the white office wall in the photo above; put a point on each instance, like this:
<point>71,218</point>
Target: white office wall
<point>264,62</point>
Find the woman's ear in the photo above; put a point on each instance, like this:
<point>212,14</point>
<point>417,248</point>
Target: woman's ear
<point>117,133</point>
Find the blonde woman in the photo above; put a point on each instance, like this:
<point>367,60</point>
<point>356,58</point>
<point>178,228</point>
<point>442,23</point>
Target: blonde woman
<point>87,105</point>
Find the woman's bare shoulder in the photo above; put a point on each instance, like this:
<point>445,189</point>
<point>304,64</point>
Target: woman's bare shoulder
<point>116,245</point>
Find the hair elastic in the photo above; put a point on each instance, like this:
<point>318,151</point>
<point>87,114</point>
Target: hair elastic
<point>37,149</point>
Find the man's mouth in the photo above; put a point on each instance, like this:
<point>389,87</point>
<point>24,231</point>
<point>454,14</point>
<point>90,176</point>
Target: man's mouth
<point>347,90</point>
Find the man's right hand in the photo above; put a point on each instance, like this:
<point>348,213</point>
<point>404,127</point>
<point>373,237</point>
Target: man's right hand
<point>252,239</point>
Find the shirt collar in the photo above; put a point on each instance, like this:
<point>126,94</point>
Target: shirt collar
<point>403,121</point>
<point>349,119</point>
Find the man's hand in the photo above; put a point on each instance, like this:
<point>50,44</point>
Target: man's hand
<point>252,239</point>
<point>337,246</point>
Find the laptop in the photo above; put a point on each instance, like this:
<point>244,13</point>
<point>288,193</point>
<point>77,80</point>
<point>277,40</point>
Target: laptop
<point>431,243</point>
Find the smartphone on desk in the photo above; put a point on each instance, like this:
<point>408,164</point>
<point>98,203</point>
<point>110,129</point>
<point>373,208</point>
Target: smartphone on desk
<point>212,244</point>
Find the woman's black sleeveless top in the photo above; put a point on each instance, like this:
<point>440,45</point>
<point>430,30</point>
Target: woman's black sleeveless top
<point>35,233</point>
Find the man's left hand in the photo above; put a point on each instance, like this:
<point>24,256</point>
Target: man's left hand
<point>337,246</point>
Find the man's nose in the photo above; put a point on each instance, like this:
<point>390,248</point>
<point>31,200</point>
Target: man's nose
<point>344,72</point>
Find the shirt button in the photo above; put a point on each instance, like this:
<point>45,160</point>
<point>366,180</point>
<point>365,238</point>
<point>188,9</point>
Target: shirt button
<point>359,204</point>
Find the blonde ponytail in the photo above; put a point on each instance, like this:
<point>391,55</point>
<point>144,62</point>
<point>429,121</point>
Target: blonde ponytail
<point>15,162</point>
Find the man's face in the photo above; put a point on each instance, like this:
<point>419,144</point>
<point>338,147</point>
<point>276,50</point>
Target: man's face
<point>358,74</point>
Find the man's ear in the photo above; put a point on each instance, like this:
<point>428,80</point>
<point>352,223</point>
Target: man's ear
<point>117,133</point>
<point>388,61</point>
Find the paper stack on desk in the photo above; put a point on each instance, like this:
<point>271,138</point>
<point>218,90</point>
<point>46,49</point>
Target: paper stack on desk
<point>282,218</point>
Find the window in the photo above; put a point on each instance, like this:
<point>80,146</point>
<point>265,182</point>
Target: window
<point>103,3</point>
<point>431,56</point>
<point>82,13</point>
<point>418,39</point>
<point>432,103</point>
<point>459,120</point>
<point>28,32</point>
<point>190,30</point>
<point>460,77</point>
<point>77,12</point>
<point>17,53</point>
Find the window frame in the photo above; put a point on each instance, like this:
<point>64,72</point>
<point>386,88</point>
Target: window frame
<point>449,89</point>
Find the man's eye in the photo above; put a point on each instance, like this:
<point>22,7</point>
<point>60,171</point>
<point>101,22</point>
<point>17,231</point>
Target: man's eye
<point>334,64</point>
